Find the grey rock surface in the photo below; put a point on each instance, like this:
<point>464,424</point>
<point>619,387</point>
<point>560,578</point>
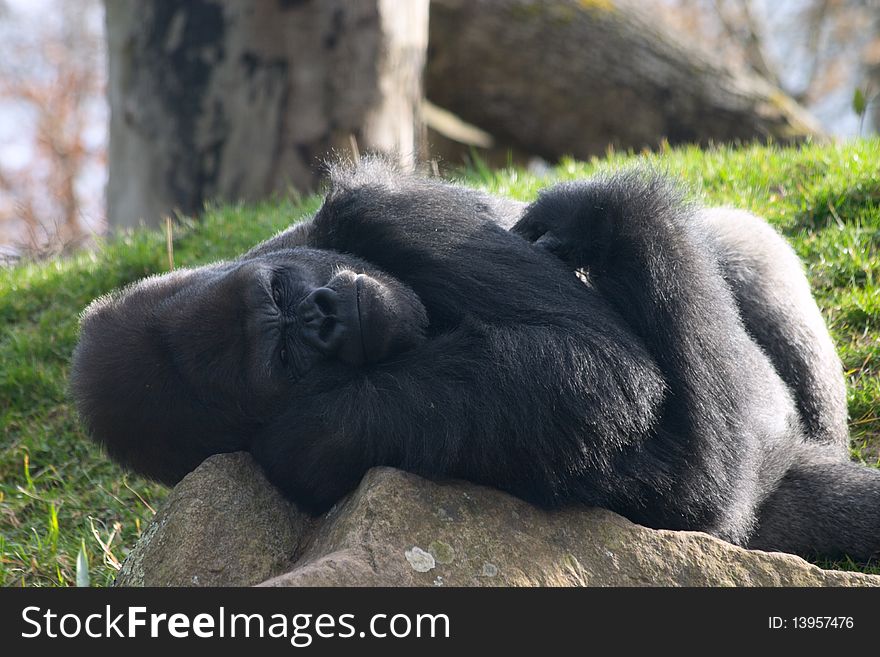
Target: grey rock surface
<point>222,525</point>
<point>225,525</point>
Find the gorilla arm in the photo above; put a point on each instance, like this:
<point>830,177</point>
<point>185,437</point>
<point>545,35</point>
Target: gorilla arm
<point>528,380</point>
<point>534,410</point>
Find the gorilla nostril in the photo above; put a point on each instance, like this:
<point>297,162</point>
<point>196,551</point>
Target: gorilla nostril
<point>319,305</point>
<point>325,318</point>
<point>325,300</point>
<point>328,326</point>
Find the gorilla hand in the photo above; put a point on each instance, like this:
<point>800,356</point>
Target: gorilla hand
<point>602,222</point>
<point>571,220</point>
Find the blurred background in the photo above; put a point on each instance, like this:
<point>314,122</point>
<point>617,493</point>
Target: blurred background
<point>118,113</point>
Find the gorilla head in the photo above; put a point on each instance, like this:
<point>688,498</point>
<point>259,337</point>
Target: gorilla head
<point>191,363</point>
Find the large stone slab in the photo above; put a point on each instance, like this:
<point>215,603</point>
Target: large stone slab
<point>225,525</point>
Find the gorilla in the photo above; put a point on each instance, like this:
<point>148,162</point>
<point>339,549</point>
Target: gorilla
<point>609,344</point>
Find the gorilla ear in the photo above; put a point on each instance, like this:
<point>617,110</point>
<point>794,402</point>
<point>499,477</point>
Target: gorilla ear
<point>324,319</point>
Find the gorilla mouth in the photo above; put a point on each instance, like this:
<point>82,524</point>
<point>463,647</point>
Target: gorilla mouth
<point>358,288</point>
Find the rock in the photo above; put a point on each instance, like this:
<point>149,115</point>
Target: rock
<point>223,525</point>
<point>398,529</point>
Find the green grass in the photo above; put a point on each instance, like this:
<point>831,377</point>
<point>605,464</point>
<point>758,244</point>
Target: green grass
<point>58,492</point>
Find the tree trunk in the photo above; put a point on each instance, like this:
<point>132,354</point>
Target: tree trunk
<point>567,77</point>
<point>239,99</point>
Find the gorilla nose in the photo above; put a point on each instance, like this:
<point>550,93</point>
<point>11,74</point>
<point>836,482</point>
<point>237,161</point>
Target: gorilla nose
<point>330,322</point>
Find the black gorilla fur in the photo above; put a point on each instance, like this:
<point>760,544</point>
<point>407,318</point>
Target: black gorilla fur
<point>684,378</point>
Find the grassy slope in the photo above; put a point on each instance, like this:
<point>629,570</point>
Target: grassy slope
<point>58,492</point>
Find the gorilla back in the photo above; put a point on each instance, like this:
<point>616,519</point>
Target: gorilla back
<point>405,326</point>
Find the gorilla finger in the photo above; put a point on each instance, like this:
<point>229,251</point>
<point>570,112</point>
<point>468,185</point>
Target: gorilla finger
<point>529,228</point>
<point>549,242</point>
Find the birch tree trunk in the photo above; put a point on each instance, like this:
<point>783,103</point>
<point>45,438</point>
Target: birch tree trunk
<point>239,99</point>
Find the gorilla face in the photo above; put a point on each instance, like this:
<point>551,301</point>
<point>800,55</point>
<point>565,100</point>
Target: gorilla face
<point>219,348</point>
<point>302,306</point>
<point>291,310</point>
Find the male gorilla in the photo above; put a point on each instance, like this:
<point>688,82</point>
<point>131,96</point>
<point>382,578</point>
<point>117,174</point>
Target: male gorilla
<point>683,378</point>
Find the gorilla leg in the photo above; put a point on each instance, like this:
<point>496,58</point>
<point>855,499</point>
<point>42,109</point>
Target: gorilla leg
<point>726,407</point>
<point>822,507</point>
<point>779,312</point>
